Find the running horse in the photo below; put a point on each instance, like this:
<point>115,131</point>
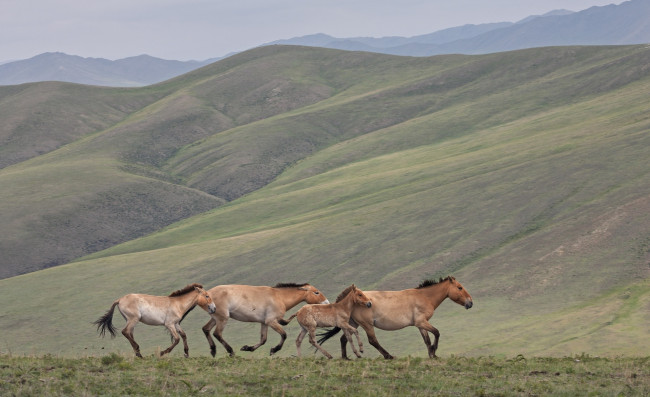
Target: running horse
<point>156,310</point>
<point>393,310</point>
<point>336,314</point>
<point>257,304</point>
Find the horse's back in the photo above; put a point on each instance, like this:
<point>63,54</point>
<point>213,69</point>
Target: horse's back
<point>248,303</point>
<point>149,309</point>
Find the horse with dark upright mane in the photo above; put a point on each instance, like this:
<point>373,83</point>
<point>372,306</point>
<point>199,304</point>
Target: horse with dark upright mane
<point>156,310</point>
<point>259,304</point>
<point>393,310</point>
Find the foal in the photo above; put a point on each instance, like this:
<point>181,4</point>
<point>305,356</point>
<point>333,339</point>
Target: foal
<point>156,310</point>
<point>330,315</point>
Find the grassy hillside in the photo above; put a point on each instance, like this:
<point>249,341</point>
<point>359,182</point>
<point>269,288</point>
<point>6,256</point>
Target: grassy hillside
<point>523,174</point>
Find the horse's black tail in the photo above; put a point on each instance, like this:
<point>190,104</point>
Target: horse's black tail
<point>106,322</point>
<point>324,336</point>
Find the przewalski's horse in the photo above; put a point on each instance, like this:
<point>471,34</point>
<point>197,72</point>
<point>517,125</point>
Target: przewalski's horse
<point>256,304</point>
<point>156,310</point>
<point>393,310</point>
<point>336,314</point>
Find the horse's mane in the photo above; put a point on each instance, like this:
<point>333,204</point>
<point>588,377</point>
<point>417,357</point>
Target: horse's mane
<point>345,293</point>
<point>430,282</point>
<point>188,288</point>
<point>289,285</point>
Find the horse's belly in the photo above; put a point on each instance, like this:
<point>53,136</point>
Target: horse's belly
<point>249,316</point>
<point>391,324</point>
<point>152,318</point>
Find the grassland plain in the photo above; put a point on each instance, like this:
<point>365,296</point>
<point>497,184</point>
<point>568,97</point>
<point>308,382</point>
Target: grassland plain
<point>409,376</point>
<point>523,174</point>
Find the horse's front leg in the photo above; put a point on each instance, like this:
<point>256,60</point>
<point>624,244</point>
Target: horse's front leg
<point>263,334</point>
<point>128,334</point>
<point>348,335</point>
<point>186,348</point>
<point>425,328</point>
<point>206,331</point>
<point>356,333</point>
<point>218,333</point>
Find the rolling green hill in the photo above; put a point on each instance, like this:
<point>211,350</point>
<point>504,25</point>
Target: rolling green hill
<point>524,174</point>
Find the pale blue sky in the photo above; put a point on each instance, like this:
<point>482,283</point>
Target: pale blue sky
<point>202,29</point>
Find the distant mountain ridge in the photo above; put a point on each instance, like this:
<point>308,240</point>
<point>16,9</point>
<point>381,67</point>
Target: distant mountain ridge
<point>627,23</point>
<point>127,72</point>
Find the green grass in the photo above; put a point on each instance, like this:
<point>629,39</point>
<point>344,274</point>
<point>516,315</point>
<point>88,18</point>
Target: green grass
<point>455,376</point>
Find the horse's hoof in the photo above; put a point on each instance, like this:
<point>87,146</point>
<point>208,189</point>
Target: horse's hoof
<point>187,355</point>
<point>247,348</point>
<point>213,352</point>
<point>389,357</point>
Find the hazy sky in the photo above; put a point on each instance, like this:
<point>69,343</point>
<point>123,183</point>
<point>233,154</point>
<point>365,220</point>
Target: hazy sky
<point>202,29</point>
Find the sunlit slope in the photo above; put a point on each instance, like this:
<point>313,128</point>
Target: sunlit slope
<point>536,197</point>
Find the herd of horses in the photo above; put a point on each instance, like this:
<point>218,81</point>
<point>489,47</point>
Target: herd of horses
<point>386,310</point>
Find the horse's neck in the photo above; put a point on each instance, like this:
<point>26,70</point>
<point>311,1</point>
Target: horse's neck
<point>436,294</point>
<point>290,297</point>
<point>346,303</point>
<point>187,300</point>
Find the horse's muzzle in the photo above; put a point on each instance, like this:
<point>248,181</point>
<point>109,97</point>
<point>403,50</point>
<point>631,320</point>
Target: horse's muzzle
<point>368,304</point>
<point>469,304</point>
<point>212,308</point>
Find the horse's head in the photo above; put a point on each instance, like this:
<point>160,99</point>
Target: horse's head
<point>205,300</point>
<point>313,295</point>
<point>359,297</point>
<point>459,294</point>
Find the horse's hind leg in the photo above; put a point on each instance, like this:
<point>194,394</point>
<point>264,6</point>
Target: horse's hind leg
<point>283,335</point>
<point>312,340</point>
<point>206,331</point>
<point>263,333</point>
<point>299,339</point>
<point>372,339</point>
<point>344,346</point>
<point>128,334</point>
